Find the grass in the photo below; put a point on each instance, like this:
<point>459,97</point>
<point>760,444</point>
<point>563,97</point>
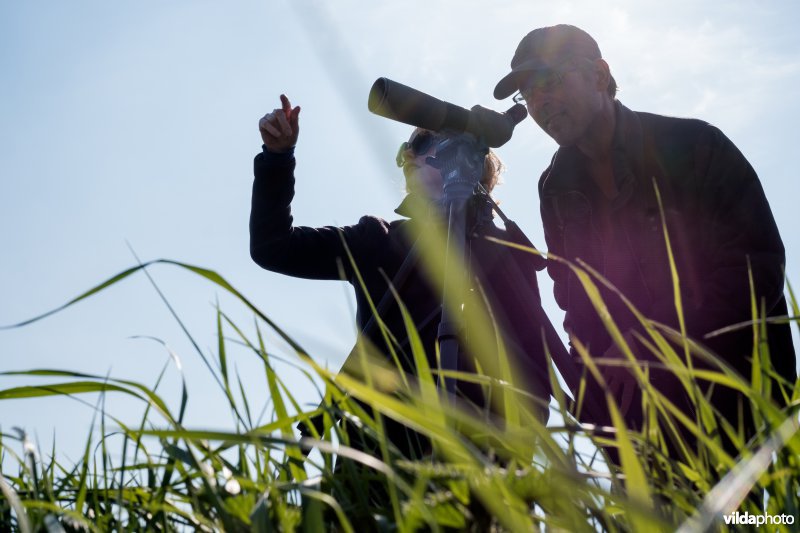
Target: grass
<point>155,473</point>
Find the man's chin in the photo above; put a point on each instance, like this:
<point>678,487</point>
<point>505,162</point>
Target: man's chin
<point>562,138</point>
<point>564,143</point>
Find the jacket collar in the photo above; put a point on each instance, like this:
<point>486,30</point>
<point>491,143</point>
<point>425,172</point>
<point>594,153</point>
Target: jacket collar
<point>411,204</point>
<point>411,207</point>
<point>627,153</point>
<point>404,209</point>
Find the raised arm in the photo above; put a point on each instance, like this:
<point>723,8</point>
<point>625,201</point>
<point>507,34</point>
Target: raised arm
<point>275,243</point>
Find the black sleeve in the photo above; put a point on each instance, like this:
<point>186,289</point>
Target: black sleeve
<point>313,253</point>
<point>739,237</point>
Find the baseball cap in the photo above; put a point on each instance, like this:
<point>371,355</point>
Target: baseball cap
<point>544,47</point>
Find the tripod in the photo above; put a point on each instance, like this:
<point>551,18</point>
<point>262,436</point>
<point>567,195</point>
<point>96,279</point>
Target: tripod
<point>460,159</point>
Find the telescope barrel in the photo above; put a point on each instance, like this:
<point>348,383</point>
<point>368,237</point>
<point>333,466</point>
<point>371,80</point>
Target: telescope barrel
<point>402,103</point>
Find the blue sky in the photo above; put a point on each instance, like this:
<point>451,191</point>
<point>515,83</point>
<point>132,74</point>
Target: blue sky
<point>137,122</point>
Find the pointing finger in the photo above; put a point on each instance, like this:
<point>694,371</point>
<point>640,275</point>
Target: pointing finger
<point>286,105</point>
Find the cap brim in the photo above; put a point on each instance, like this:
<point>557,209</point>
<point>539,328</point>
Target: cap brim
<point>508,85</point>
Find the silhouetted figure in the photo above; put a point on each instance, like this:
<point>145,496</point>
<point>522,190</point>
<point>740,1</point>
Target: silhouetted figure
<point>598,205</point>
<point>503,279</point>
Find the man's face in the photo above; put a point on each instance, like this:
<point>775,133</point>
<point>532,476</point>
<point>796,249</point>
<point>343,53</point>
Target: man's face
<point>564,99</point>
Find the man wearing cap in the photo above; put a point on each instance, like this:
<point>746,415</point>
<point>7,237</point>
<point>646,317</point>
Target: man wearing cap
<point>599,201</point>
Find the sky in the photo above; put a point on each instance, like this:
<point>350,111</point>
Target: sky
<point>132,126</point>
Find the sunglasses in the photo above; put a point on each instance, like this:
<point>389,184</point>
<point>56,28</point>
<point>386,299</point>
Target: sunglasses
<point>418,145</point>
<point>544,80</point>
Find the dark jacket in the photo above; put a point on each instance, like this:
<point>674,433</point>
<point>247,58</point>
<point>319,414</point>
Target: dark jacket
<point>506,276</point>
<point>718,222</point>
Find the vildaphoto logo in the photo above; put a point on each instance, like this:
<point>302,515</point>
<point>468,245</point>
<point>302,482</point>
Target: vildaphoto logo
<point>758,520</point>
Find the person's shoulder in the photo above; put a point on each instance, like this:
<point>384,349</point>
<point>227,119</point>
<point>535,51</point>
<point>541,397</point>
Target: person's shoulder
<point>686,141</point>
<point>380,240</point>
<point>490,229</point>
<point>377,225</point>
<point>494,236</point>
<point>680,140</point>
<point>681,126</point>
<point>370,233</point>
<point>498,246</point>
<point>680,130</point>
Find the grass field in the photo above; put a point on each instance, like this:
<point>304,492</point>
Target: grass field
<point>155,473</point>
